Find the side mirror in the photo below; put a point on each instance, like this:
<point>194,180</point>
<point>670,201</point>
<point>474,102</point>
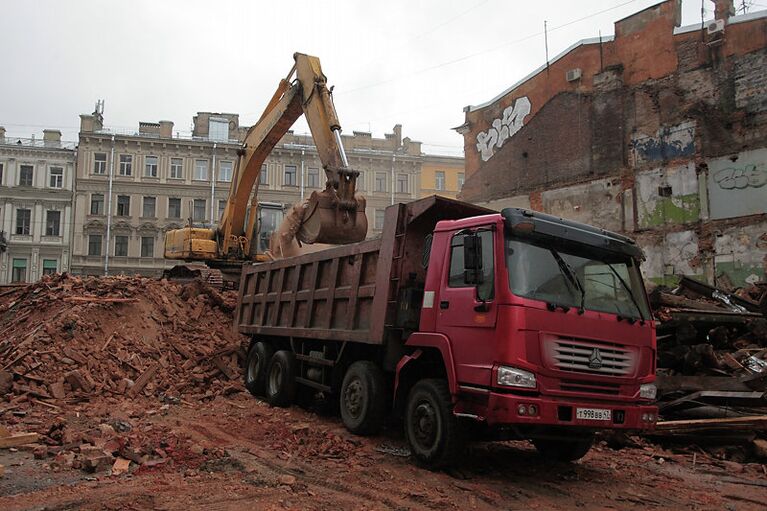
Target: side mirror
<point>472,259</point>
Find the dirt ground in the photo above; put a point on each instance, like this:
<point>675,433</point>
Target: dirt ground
<point>235,452</point>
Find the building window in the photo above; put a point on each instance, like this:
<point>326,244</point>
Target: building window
<point>1,174</point>
<point>218,129</point>
<point>198,210</point>
<point>380,182</point>
<point>123,205</point>
<point>201,170</point>
<point>25,175</point>
<point>225,171</point>
<point>290,175</point>
<point>150,166</point>
<point>461,179</point>
<point>56,177</point>
<point>313,178</point>
<point>99,163</point>
<point>439,180</point>
<point>402,183</point>
<point>23,221</point>
<point>121,246</point>
<point>53,223</point>
<point>263,177</point>
<point>149,206</point>
<point>379,219</point>
<point>94,244</point>
<point>126,164</point>
<point>174,207</point>
<point>97,204</point>
<point>177,168</point>
<point>221,207</point>
<point>50,266</point>
<point>19,273</point>
<point>147,246</point>
<point>361,181</point>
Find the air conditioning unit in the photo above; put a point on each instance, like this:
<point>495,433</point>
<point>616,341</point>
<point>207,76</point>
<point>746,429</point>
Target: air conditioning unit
<point>573,74</point>
<point>715,27</point>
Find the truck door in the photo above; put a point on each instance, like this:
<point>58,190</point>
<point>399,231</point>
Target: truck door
<point>467,320</point>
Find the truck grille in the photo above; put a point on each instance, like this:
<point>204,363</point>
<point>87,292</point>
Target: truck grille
<point>591,357</point>
<point>593,387</point>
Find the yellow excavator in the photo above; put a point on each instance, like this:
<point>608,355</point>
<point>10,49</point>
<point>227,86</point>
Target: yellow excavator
<point>335,215</point>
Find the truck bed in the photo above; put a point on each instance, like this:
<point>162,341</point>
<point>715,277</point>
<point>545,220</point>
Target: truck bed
<point>350,292</point>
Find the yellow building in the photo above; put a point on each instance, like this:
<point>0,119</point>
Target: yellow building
<point>441,175</point>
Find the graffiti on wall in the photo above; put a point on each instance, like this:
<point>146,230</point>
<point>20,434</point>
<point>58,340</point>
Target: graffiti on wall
<point>749,176</point>
<point>503,128</point>
<point>668,143</point>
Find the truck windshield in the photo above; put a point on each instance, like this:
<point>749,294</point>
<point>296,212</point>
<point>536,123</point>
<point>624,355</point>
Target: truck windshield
<point>574,277</point>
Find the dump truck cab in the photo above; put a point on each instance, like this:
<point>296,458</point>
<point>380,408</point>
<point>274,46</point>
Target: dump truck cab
<point>541,323</point>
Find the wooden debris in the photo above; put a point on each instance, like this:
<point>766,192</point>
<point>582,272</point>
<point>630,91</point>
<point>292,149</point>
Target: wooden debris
<point>18,439</point>
<point>142,380</point>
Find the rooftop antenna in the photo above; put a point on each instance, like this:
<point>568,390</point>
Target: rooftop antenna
<point>546,43</point>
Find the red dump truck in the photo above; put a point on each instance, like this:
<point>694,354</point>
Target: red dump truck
<point>468,323</point>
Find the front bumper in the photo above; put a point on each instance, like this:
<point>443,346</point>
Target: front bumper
<point>503,409</point>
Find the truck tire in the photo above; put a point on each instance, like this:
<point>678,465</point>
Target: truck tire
<point>259,356</point>
<point>281,379</point>
<point>563,450</point>
<point>363,398</point>
<point>432,431</point>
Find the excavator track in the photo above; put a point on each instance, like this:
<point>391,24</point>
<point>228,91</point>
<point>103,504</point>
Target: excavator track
<point>196,272</point>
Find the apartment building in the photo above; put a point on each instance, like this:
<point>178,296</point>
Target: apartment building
<point>441,175</point>
<point>132,186</point>
<point>36,183</point>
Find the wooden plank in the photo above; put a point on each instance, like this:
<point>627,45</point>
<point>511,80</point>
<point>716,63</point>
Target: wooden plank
<point>18,439</point>
<point>751,422</point>
<point>142,380</point>
<point>99,299</point>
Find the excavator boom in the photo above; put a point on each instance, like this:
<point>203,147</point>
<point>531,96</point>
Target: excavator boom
<point>334,215</point>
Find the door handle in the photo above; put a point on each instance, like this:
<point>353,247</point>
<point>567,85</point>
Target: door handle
<point>444,304</point>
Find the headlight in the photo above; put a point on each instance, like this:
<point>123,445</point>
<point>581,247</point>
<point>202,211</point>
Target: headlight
<point>513,377</point>
<point>648,391</point>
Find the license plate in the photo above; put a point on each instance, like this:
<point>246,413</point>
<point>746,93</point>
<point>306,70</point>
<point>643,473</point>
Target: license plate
<point>593,414</point>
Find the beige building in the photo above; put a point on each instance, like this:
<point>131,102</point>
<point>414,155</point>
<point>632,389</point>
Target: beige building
<point>442,175</point>
<point>133,186</point>
<point>36,183</point>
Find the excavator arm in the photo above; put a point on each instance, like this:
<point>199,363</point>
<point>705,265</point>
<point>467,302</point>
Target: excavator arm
<point>335,215</point>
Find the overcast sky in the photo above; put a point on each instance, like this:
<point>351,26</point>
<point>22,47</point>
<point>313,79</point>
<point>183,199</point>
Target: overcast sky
<point>417,63</point>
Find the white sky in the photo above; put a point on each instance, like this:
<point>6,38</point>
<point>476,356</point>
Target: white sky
<point>417,63</point>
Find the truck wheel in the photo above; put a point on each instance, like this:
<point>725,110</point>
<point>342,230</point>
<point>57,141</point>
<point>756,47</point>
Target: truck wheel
<point>563,450</point>
<point>255,367</point>
<point>362,400</point>
<point>432,430</point>
<point>281,379</point>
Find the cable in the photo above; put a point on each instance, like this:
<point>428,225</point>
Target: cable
<point>481,52</point>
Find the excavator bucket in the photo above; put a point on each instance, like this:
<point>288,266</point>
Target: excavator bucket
<point>328,219</point>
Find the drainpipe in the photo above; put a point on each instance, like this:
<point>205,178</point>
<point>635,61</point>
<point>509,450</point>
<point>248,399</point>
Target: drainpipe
<point>393,157</point>
<point>109,206</point>
<point>302,175</point>
<point>213,208</point>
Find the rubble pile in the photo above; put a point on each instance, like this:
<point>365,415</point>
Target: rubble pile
<point>712,364</point>
<point>67,339</point>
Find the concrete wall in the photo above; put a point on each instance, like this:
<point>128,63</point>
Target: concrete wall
<point>737,186</point>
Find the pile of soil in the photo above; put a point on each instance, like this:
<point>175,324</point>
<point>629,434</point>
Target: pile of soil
<point>66,339</point>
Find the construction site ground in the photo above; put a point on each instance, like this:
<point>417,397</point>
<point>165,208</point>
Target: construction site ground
<point>236,452</point>
<point>125,393</point>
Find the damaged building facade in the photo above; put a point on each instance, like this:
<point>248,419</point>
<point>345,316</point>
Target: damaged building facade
<point>659,132</point>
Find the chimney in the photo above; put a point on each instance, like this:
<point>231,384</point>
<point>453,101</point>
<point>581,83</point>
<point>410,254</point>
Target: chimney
<point>91,122</point>
<point>723,9</point>
<point>397,136</point>
<point>52,138</point>
<point>148,128</point>
<point>166,129</point>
